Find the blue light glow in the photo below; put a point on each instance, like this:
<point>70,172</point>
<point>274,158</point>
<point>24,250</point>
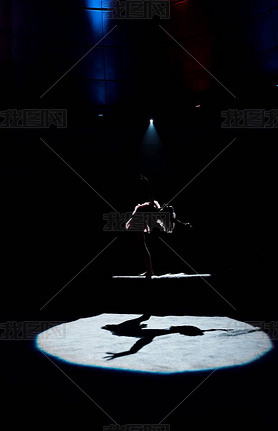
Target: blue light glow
<point>97,17</point>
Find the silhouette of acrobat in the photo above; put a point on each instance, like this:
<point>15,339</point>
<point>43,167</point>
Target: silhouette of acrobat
<point>150,212</point>
<point>134,328</point>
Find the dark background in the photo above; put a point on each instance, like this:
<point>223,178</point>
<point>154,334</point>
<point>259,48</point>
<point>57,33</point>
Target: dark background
<point>52,222</point>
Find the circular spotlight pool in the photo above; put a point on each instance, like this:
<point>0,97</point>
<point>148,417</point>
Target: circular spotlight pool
<point>168,344</point>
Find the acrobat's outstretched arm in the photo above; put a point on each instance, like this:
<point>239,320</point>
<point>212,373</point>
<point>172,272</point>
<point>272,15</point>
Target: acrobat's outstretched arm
<point>134,349</point>
<point>183,223</point>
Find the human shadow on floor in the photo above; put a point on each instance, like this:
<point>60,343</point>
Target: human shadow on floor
<point>134,328</point>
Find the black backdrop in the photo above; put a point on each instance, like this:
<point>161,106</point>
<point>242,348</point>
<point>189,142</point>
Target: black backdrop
<point>52,221</point>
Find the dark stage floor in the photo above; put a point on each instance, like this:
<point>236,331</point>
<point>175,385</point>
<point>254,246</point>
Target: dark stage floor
<point>241,396</point>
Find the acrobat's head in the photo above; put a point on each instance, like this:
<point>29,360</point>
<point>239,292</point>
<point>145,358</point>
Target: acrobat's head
<point>111,328</point>
<point>108,327</point>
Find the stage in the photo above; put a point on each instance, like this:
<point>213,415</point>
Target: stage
<point>89,105</point>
